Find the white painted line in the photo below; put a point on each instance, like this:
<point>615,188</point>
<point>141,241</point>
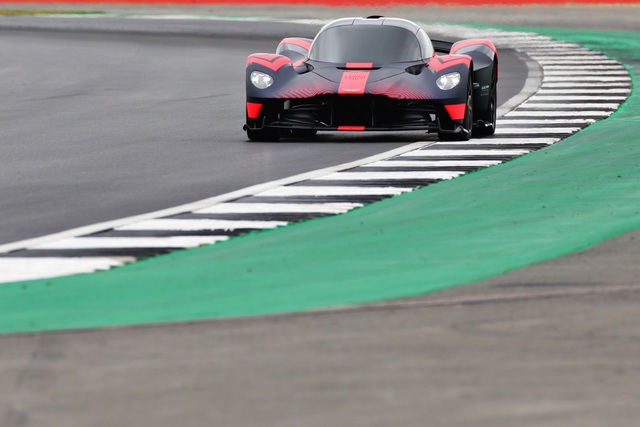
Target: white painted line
<point>579,64</point>
<point>131,242</point>
<point>533,46</point>
<point>503,141</point>
<point>466,153</point>
<point>538,39</point>
<point>570,52</point>
<point>513,42</point>
<point>593,61</point>
<point>536,122</point>
<point>374,176</point>
<point>567,56</point>
<point>619,91</point>
<point>299,190</point>
<point>569,98</point>
<point>19,269</point>
<point>201,224</point>
<point>518,36</point>
<point>561,51</point>
<point>604,69</point>
<point>512,34</point>
<point>189,207</point>
<point>568,84</point>
<point>591,86</point>
<point>581,107</point>
<point>535,131</point>
<point>581,73</point>
<point>239,208</point>
<point>576,113</point>
<point>434,163</point>
<point>554,45</point>
<point>540,46</point>
<point>542,50</point>
<point>616,79</point>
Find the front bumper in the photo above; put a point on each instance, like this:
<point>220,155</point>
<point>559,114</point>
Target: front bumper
<point>344,112</point>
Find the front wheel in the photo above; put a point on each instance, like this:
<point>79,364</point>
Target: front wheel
<point>467,122</point>
<point>488,117</point>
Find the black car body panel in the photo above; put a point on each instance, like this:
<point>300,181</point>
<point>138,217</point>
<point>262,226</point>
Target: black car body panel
<point>368,74</point>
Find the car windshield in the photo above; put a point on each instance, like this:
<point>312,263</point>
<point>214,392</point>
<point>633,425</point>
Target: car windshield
<point>365,43</point>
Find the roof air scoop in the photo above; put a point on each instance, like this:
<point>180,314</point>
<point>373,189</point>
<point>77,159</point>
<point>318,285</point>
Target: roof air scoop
<point>374,17</point>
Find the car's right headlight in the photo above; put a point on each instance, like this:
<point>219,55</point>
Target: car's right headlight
<point>448,81</point>
<point>261,80</point>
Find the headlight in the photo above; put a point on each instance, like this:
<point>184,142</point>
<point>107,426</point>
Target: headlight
<point>448,81</point>
<point>261,80</point>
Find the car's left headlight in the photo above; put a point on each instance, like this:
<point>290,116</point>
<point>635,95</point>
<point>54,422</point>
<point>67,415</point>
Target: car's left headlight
<point>261,80</point>
<point>448,81</point>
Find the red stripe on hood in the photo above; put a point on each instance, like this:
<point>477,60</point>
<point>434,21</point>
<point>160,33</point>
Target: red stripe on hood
<point>359,65</point>
<point>353,82</point>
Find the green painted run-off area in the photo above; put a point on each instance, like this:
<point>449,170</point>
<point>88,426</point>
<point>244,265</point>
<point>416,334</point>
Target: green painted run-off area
<point>552,202</point>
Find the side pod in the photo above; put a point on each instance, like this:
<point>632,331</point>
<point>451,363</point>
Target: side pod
<point>486,69</point>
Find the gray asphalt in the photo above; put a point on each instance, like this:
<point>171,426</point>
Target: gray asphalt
<point>565,361</point>
<point>554,344</point>
<point>605,16</point>
<point>138,116</point>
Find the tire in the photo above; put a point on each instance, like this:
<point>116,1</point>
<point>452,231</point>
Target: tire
<point>263,135</point>
<point>467,123</point>
<point>489,116</point>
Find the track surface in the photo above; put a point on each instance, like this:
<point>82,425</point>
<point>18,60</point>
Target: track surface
<point>540,361</point>
<point>103,126</point>
<point>568,362</point>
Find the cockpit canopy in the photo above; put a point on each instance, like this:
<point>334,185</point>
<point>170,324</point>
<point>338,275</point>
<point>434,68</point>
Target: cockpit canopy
<point>377,40</point>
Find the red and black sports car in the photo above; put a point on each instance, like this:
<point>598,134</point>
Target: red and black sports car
<point>372,73</point>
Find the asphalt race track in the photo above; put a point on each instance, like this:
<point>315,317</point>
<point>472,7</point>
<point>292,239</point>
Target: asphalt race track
<point>114,125</point>
<point>552,345</point>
